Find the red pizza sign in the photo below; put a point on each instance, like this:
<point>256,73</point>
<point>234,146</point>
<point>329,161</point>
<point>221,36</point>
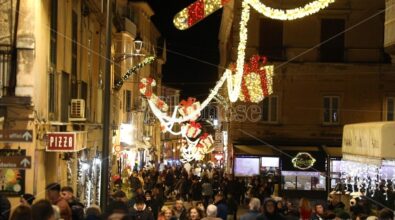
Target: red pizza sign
<point>61,141</point>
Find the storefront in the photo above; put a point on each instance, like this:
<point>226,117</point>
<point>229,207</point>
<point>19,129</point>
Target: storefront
<point>368,164</point>
<point>303,172</point>
<point>298,171</point>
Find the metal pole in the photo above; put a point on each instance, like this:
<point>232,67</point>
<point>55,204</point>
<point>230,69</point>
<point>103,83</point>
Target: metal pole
<point>106,113</point>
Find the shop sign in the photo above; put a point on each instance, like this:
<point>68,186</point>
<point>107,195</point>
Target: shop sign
<point>66,141</point>
<point>16,135</point>
<point>303,161</point>
<point>15,162</point>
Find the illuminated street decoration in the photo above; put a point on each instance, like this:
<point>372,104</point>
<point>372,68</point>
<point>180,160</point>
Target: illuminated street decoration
<point>257,80</point>
<point>145,86</point>
<point>303,161</point>
<point>133,70</point>
<point>200,9</point>
<point>289,14</point>
<point>251,90</point>
<point>195,12</point>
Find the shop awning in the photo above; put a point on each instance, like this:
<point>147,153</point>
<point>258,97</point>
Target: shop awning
<point>333,151</point>
<point>259,150</point>
<point>374,140</point>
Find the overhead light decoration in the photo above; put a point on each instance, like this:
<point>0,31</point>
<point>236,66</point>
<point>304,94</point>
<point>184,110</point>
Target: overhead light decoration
<point>145,87</point>
<point>289,14</point>
<point>133,70</point>
<point>196,12</point>
<point>303,161</point>
<point>200,9</point>
<point>257,80</point>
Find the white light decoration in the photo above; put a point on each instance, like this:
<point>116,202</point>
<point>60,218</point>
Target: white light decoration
<point>126,133</point>
<point>290,14</point>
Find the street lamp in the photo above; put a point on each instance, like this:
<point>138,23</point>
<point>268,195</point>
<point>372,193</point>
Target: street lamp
<point>137,47</point>
<point>138,44</point>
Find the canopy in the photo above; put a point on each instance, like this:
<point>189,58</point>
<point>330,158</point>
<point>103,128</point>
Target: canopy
<point>374,140</point>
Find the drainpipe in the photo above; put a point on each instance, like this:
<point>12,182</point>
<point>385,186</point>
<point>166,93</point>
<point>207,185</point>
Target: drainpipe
<point>14,53</point>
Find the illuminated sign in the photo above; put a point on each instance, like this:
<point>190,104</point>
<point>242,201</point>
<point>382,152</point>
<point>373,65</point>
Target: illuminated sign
<point>303,161</point>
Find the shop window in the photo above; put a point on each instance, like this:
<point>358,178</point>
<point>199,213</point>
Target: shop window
<point>332,40</point>
<point>331,110</point>
<point>304,180</point>
<point>335,172</point>
<point>270,109</point>
<point>128,100</point>
<point>390,109</point>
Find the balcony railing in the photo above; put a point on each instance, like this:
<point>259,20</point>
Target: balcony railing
<point>5,69</point>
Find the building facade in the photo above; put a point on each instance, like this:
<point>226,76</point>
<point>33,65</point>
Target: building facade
<point>52,70</point>
<point>330,69</point>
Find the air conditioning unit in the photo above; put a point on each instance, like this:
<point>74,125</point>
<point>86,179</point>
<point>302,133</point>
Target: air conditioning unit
<point>77,110</point>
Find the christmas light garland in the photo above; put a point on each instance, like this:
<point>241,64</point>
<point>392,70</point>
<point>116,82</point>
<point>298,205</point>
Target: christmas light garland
<point>196,12</point>
<point>290,14</point>
<point>133,70</point>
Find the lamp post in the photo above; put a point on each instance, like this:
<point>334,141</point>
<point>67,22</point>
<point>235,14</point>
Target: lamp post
<point>106,113</point>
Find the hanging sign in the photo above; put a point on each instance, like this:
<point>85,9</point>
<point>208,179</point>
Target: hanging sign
<point>66,141</point>
<point>16,135</point>
<point>303,161</point>
<point>15,162</point>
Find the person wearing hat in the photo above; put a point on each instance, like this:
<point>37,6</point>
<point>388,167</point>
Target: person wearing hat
<point>140,210</point>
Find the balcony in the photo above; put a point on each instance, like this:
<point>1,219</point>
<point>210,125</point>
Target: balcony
<point>7,86</point>
<point>5,69</point>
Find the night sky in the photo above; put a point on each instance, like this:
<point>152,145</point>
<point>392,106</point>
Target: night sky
<point>200,42</point>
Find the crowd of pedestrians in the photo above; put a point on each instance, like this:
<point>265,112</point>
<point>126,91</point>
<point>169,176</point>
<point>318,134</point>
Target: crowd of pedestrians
<point>179,194</point>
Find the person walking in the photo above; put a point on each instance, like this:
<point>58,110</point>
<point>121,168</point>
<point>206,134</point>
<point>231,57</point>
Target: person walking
<point>53,194</point>
<point>253,211</point>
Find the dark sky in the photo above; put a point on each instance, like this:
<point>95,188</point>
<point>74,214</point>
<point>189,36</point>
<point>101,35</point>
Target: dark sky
<point>194,78</point>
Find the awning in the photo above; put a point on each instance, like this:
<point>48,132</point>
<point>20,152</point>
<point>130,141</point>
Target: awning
<point>259,150</point>
<point>333,151</point>
<point>375,140</point>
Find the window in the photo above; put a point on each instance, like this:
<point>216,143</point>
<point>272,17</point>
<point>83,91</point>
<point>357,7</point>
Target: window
<point>53,50</point>
<point>331,109</point>
<point>53,31</point>
<point>332,37</point>
<point>74,51</point>
<point>128,100</point>
<point>269,111</point>
<point>271,39</point>
<point>65,98</point>
<point>390,109</point>
<point>52,92</point>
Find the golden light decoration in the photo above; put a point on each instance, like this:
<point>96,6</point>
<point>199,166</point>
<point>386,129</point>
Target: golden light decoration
<point>290,14</point>
<point>253,84</point>
<point>303,161</point>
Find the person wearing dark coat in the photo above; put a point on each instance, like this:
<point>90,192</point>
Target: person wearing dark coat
<point>253,212</point>
<point>222,208</point>
<point>180,213</point>
<point>5,207</point>
<point>140,211</point>
<point>270,211</point>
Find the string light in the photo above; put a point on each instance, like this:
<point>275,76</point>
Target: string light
<point>133,70</point>
<point>196,12</point>
<point>290,14</point>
